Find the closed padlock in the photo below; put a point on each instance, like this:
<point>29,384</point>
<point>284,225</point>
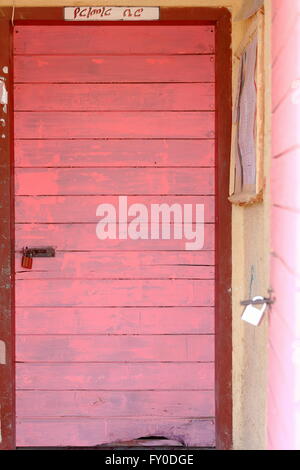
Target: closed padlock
<point>252,314</point>
<point>26,259</point>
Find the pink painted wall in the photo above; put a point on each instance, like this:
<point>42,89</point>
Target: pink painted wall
<point>284,333</point>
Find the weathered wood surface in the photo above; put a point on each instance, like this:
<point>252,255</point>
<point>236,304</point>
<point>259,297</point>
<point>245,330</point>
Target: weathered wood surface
<point>115,97</point>
<point>88,40</point>
<point>117,293</point>
<point>115,320</point>
<point>117,265</point>
<point>114,153</point>
<point>115,348</point>
<point>115,124</point>
<point>119,69</point>
<point>115,403</point>
<point>120,376</point>
<point>115,338</point>
<point>82,237</point>
<point>129,181</point>
<point>80,209</point>
<point>92,432</point>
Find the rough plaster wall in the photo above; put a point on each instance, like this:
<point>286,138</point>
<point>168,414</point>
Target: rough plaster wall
<point>250,255</point>
<point>250,278</point>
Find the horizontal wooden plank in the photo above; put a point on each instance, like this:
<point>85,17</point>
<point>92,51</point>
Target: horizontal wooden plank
<point>141,443</point>
<point>116,293</point>
<point>114,348</point>
<point>127,181</point>
<point>92,124</point>
<point>92,432</point>
<point>71,209</point>
<point>82,237</point>
<point>110,153</point>
<point>32,403</point>
<point>127,39</point>
<point>52,270</point>
<point>105,320</point>
<point>116,265</point>
<point>147,376</point>
<point>119,69</point>
<point>114,97</point>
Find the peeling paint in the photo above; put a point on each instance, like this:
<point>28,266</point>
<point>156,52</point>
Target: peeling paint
<point>2,352</point>
<point>5,69</point>
<point>3,122</point>
<point>3,93</point>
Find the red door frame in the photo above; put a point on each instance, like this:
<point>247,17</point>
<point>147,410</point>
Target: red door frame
<point>221,18</point>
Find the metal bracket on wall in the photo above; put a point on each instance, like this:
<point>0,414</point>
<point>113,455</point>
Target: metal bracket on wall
<point>264,300</point>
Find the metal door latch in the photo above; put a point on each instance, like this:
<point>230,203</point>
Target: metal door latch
<point>258,301</point>
<point>36,252</point>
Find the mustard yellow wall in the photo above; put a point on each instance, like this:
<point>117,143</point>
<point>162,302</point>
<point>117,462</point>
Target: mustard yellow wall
<point>250,232</point>
<point>250,248</point>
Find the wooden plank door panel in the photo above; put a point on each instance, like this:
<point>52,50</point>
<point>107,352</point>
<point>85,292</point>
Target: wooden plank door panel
<point>115,320</point>
<point>119,69</point>
<point>122,376</point>
<point>115,338</point>
<point>106,39</point>
<point>114,125</point>
<point>114,97</point>
<point>96,153</point>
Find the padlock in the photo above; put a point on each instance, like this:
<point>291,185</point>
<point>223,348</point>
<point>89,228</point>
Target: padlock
<point>26,259</point>
<point>252,314</point>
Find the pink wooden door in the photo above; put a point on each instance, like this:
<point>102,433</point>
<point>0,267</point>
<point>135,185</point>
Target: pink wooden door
<point>115,338</point>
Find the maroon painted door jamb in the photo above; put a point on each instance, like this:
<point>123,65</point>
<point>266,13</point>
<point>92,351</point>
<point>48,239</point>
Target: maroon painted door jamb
<point>7,374</point>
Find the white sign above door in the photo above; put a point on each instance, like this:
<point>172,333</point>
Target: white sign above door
<point>106,13</point>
